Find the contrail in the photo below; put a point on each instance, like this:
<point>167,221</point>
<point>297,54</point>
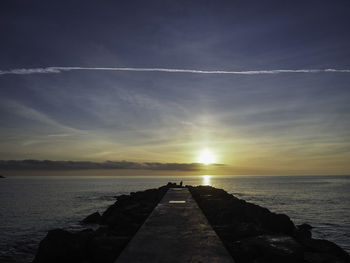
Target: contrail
<point>46,70</point>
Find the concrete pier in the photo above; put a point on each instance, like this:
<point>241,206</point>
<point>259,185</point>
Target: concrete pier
<point>176,231</point>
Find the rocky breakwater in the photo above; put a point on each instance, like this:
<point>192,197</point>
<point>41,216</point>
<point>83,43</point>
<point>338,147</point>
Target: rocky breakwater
<point>118,224</point>
<point>252,233</point>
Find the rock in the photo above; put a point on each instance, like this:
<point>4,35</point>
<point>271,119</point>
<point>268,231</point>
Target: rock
<point>314,257</point>
<point>94,218</point>
<point>237,231</point>
<point>222,208</point>
<point>134,207</point>
<point>171,185</point>
<point>326,247</point>
<point>62,246</point>
<point>267,248</point>
<point>303,231</point>
<point>244,230</point>
<point>305,227</point>
<point>105,249</point>
<point>253,234</point>
<point>122,198</point>
<point>279,223</point>
<point>119,223</point>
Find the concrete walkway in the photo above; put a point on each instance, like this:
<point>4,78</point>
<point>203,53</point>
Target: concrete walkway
<point>176,231</point>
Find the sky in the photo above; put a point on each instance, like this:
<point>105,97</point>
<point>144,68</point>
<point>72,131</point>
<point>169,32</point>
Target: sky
<point>95,81</point>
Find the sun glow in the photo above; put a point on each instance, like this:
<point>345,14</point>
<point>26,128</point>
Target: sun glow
<point>206,180</point>
<point>206,157</point>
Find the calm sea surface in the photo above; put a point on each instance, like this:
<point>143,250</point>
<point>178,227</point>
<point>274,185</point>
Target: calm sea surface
<point>30,206</point>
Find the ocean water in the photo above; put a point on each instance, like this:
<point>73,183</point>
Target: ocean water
<point>32,205</point>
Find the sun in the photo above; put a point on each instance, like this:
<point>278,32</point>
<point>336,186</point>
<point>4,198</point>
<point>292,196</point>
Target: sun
<point>206,157</point>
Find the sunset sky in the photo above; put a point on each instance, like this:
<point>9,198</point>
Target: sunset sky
<point>254,119</point>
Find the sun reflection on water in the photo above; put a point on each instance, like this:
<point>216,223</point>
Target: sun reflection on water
<point>206,179</point>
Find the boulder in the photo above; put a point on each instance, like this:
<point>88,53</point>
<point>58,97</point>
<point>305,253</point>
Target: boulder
<point>237,231</point>
<point>62,246</point>
<point>94,218</point>
<point>326,247</point>
<point>279,223</point>
<point>105,249</point>
<point>267,248</point>
<point>319,257</point>
<point>303,231</point>
<point>244,230</point>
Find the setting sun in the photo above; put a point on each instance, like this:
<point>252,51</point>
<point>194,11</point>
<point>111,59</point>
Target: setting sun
<point>206,157</point>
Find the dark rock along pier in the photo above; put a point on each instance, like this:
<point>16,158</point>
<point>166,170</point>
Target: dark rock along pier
<point>248,232</point>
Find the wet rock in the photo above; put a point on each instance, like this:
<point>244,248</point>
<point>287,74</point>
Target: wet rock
<point>94,218</point>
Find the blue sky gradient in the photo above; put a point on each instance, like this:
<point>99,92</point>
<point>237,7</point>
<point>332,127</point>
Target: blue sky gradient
<point>271,123</point>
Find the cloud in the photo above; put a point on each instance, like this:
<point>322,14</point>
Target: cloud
<point>35,115</point>
<point>30,71</point>
<point>26,71</point>
<point>71,165</point>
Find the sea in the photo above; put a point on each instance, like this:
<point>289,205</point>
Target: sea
<point>32,205</point>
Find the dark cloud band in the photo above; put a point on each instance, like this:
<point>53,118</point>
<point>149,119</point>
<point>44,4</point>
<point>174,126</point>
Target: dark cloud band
<point>71,165</point>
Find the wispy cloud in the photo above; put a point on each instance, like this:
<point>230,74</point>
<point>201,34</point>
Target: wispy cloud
<point>26,71</point>
<point>35,115</point>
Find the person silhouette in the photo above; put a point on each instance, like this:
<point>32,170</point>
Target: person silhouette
<point>181,184</point>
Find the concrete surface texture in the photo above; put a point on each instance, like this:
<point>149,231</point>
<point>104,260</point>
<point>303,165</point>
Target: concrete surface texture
<point>176,231</point>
